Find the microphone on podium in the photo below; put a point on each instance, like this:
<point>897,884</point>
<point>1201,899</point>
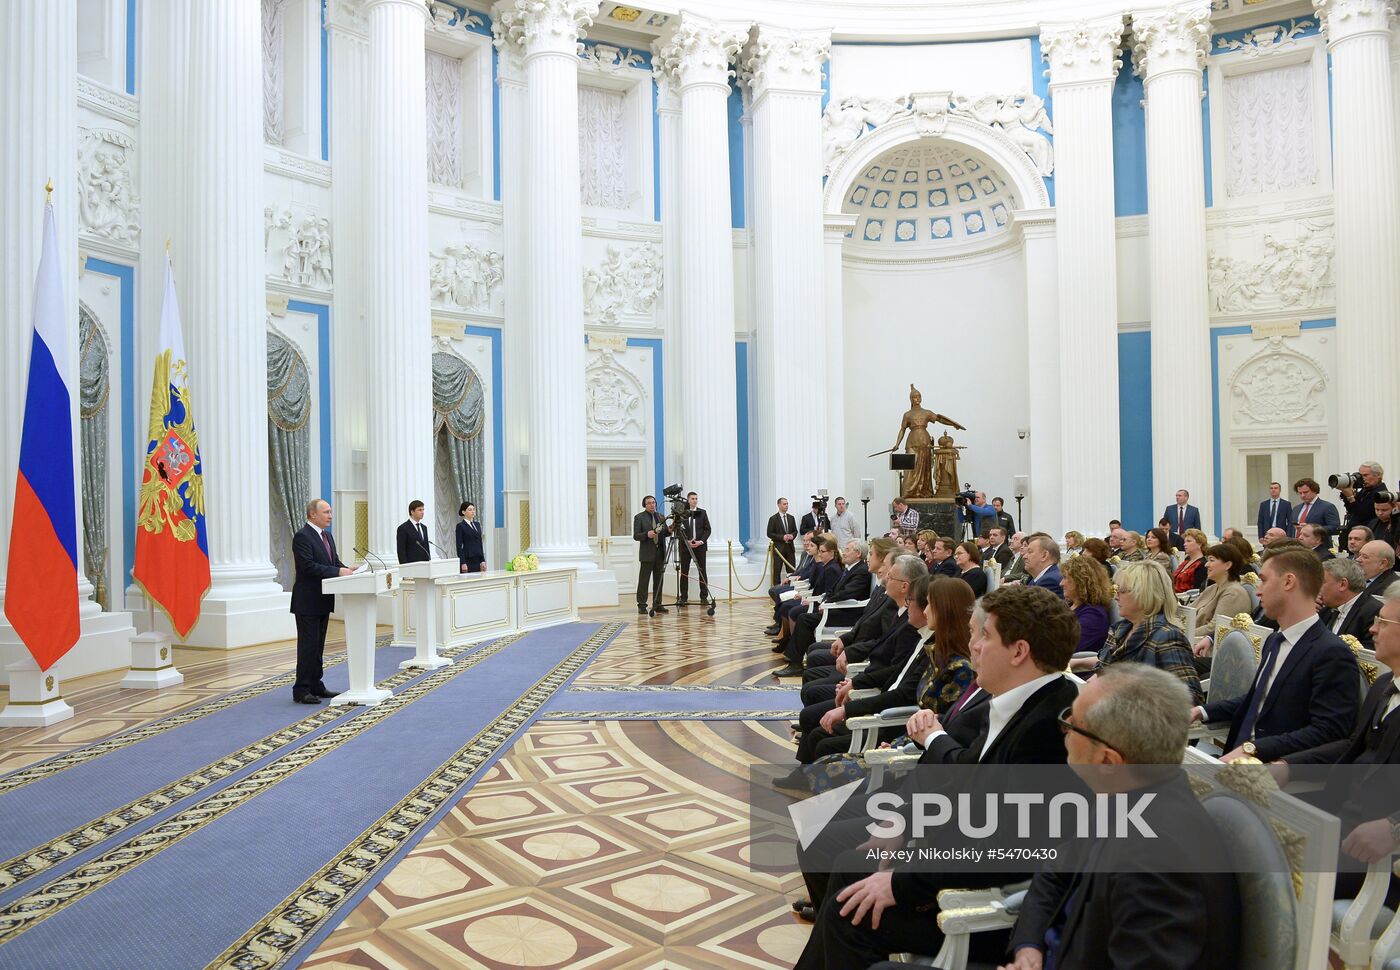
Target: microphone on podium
<point>366,555</point>
<point>435,546</point>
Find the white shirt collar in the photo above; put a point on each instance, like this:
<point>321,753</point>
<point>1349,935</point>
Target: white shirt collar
<point>1004,707</point>
<point>1295,632</point>
<point>319,531</point>
<point>1043,572</point>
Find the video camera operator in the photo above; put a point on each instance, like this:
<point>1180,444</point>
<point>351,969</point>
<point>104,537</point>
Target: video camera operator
<point>1358,491</point>
<point>693,530</point>
<point>973,509</point>
<point>649,529</point>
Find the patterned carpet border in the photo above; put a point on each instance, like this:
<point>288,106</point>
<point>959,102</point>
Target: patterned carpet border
<point>678,688</point>
<point>56,851</point>
<point>275,940</point>
<point>29,910</point>
<point>717,715</point>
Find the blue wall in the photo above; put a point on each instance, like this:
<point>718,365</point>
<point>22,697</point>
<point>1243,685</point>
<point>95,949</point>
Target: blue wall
<point>736,157</point>
<point>741,383</point>
<point>126,279</point>
<point>1041,85</point>
<point>1129,146</point>
<point>1135,429</point>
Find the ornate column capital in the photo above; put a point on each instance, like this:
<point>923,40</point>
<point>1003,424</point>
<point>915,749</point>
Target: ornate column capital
<point>1345,19</point>
<point>347,16</point>
<point>1083,51</point>
<point>505,35</point>
<point>698,51</point>
<point>668,92</point>
<point>1171,39</point>
<point>780,58</point>
<point>542,26</point>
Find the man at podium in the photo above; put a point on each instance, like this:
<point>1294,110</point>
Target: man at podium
<point>313,548</point>
<point>413,536</point>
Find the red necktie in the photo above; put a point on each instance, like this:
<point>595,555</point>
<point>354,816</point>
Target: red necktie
<point>963,699</point>
<point>1302,519</point>
<point>325,540</point>
<point>1180,520</point>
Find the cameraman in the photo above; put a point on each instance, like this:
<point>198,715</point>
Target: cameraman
<point>1360,502</point>
<point>973,508</point>
<point>649,529</point>
<point>695,536</point>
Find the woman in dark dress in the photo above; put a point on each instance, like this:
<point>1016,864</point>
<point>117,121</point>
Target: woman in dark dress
<point>470,551</point>
<point>968,559</point>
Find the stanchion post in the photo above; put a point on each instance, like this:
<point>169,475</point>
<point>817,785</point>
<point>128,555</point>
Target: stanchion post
<point>729,558</point>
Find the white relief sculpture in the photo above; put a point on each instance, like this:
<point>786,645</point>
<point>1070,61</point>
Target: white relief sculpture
<point>447,19</point>
<point>783,58</point>
<point>306,258</point>
<point>1268,39</point>
<point>1269,131</point>
<point>274,219</point>
<point>1022,117</point>
<point>627,282</point>
<point>443,78</point>
<point>602,142</point>
<point>1084,51</point>
<point>107,201</point>
<point>1277,386</point>
<point>273,65</point>
<point>465,275</point>
<point>612,397</point>
<point>846,121</point>
<point>1289,273</point>
<point>930,111</point>
<point>605,57</point>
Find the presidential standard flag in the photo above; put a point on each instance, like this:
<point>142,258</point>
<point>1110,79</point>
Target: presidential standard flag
<point>172,548</point>
<point>41,593</point>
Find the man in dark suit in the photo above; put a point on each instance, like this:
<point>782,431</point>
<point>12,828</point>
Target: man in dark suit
<point>1275,512</point>
<point>1386,525</point>
<point>941,556</point>
<point>1003,519</point>
<point>1025,646</point>
<point>649,530</point>
<point>413,536</point>
<point>812,521</point>
<point>854,587</point>
<point>1042,556</point>
<point>1360,502</point>
<point>1125,898</point>
<point>1377,562</point>
<point>1348,608</point>
<point>998,548</point>
<point>1175,539</point>
<point>1315,537</point>
<point>1311,509</point>
<point>1307,688</point>
<point>694,542</point>
<point>782,528</point>
<point>1182,515</point>
<point>313,549</point>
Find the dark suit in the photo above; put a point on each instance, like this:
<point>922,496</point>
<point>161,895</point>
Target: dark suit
<point>698,529</point>
<point>1050,580</point>
<point>1361,507</point>
<point>470,552</point>
<point>1001,554</point>
<point>1005,521</point>
<point>1320,512</point>
<point>1388,531</point>
<point>1354,796</point>
<point>779,525</point>
<point>413,542</point>
<point>854,586</point>
<point>1324,553</point>
<point>1181,521</point>
<point>945,568</point>
<point>809,524</point>
<point>1281,519</point>
<point>1358,620</point>
<point>1381,583</point>
<point>1312,700</point>
<point>312,608</point>
<point>651,555</point>
<point>874,622</point>
<point>1126,912</point>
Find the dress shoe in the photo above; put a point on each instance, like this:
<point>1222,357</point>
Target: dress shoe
<point>807,913</point>
<point>641,611</point>
<point>801,904</point>
<point>308,699</point>
<point>327,694</point>
<point>795,780</point>
<point>772,631</point>
<point>791,670</point>
<point>658,608</point>
<point>777,648</point>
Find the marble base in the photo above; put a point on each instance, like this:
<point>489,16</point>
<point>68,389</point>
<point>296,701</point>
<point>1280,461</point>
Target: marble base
<point>152,663</point>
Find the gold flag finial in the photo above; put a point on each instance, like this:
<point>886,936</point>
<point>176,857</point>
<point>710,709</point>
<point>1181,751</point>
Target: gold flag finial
<point>48,192</point>
<point>167,247</point>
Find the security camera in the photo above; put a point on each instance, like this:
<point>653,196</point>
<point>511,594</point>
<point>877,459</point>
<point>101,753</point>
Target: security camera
<point>1022,432</point>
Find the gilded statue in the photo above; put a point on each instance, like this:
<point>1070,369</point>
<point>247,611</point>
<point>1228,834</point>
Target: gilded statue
<point>919,483</point>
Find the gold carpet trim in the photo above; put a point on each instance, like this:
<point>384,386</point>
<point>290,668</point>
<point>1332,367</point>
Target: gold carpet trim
<point>680,688</point>
<point>30,910</point>
<point>275,939</point>
<point>40,859</point>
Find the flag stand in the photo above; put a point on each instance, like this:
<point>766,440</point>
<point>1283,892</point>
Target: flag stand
<point>152,658</point>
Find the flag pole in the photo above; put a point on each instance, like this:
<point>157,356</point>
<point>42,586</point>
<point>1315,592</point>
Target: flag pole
<point>48,192</point>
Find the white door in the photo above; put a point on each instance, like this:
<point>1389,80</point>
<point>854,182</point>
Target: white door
<point>613,499</point>
<point>1262,466</point>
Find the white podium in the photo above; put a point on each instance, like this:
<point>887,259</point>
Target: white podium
<point>358,604</point>
<point>427,607</point>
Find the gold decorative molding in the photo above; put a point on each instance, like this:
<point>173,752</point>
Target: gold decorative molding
<point>362,525</point>
<point>524,524</point>
<point>277,304</point>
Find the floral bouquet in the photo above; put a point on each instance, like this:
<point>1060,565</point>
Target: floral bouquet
<point>523,563</point>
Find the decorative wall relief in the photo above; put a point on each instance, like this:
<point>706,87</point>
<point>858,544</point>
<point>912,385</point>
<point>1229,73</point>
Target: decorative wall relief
<point>1278,386</point>
<point>443,78</point>
<point>1266,40</point>
<point>306,258</point>
<point>273,65</point>
<point>447,19</point>
<point>844,123</point>
<point>1270,142</point>
<point>464,275</point>
<point>107,202</point>
<point>1022,117</point>
<point>628,282</point>
<point>1289,273</point>
<point>602,141</point>
<point>611,60</point>
<point>613,397</point>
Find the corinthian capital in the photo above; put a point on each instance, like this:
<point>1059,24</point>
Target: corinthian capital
<point>1083,51</point>
<point>543,26</point>
<point>1171,39</point>
<point>699,50</point>
<point>784,59</point>
<point>1345,19</point>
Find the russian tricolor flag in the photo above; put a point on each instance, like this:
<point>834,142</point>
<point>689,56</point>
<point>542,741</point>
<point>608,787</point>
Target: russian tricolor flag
<point>41,593</point>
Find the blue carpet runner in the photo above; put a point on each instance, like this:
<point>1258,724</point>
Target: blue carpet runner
<point>675,702</point>
<point>253,867</point>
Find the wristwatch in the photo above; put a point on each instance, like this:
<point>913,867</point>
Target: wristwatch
<point>1250,750</point>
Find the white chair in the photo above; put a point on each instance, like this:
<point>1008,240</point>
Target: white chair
<point>1188,616</point>
<point>1365,932</point>
<point>825,632</point>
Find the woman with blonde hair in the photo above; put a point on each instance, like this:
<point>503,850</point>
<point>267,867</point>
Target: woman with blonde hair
<point>1088,592</point>
<point>1132,548</point>
<point>1191,574</point>
<point>1152,630</point>
<point>1074,543</point>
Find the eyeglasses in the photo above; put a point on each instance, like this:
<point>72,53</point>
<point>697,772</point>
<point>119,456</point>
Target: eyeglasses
<point>1381,619</point>
<point>1066,726</point>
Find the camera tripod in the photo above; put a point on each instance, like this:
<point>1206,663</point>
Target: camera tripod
<point>681,522</point>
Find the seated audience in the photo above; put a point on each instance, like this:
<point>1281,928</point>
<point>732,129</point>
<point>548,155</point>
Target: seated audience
<point>1157,547</point>
<point>1101,551</point>
<point>1131,547</point>
<point>1318,539</point>
<point>1174,539</point>
<point>1224,596</point>
<point>1125,911</point>
<point>1386,525</point>
<point>1015,569</point>
<point>1230,532</point>
<point>874,621</point>
<point>804,572</point>
<point>1042,555</point>
<point>1347,609</point>
<point>1191,574</point>
<point>1377,562</point>
<point>940,561</point>
<point>1248,556</point>
<point>825,579</point>
<point>1272,536</point>
<point>1307,676</point>
<point>1357,536</point>
<point>1151,631</point>
<point>923,544</point>
<point>853,587</point>
<point>1074,543</point>
<point>968,559</point>
<point>998,549</point>
<point>1088,591</point>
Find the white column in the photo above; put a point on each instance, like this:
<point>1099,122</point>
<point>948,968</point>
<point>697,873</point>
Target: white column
<point>547,34</point>
<point>222,301</point>
<point>1083,60</point>
<point>400,459</point>
<point>349,92</point>
<point>697,55</point>
<point>834,230</point>
<point>1368,233</point>
<point>1170,49</point>
<point>1045,385</point>
<point>668,123</point>
<point>782,70</point>
<point>38,119</point>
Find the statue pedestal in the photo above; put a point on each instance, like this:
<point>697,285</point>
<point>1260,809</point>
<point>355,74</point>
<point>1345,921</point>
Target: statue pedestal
<point>938,514</point>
